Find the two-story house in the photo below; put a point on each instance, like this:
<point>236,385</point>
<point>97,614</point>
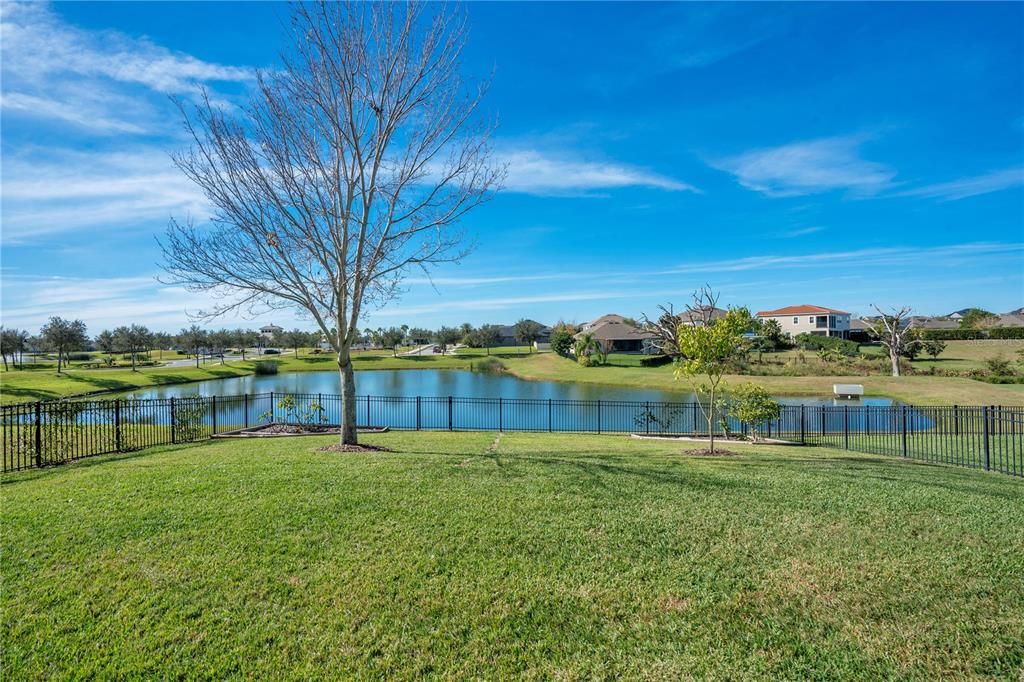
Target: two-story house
<point>809,319</point>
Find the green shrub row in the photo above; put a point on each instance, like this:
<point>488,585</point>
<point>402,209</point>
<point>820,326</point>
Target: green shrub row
<point>655,360</point>
<point>973,334</point>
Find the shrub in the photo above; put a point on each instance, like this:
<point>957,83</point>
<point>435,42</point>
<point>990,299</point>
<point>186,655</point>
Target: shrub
<point>953,334</point>
<point>489,365</point>
<point>999,366</point>
<point>816,343</point>
<point>561,341</point>
<point>754,406</point>
<point>655,360</point>
<point>265,367</point>
<point>1006,333</point>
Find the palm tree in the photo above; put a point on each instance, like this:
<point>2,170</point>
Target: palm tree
<point>585,346</point>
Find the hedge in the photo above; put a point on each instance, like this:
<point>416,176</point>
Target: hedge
<point>973,334</point>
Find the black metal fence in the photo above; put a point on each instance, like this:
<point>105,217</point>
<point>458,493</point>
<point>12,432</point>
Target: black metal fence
<point>41,434</point>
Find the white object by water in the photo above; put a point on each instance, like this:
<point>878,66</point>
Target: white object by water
<point>848,390</point>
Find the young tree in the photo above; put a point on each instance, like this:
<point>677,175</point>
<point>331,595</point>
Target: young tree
<point>447,336</point>
<point>527,331</point>
<point>62,335</point>
<point>294,340</point>
<point>162,341</point>
<point>487,336</point>
<point>353,164</point>
<point>132,341</point>
<point>895,335</point>
<point>390,338</point>
<point>13,343</point>
<point>771,331</point>
<point>584,348</point>
<point>562,338</point>
<point>934,347</point>
<point>754,406</point>
<point>107,342</point>
<point>193,339</point>
<point>707,352</point>
<point>244,339</point>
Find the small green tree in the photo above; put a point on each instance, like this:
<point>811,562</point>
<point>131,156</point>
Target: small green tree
<point>754,406</point>
<point>584,348</point>
<point>978,318</point>
<point>933,347</point>
<point>707,353</point>
<point>561,339</point>
<point>527,331</point>
<point>447,336</point>
<point>487,336</point>
<point>62,335</point>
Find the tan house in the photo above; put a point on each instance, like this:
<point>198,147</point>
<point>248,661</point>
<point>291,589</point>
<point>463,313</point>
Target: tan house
<point>809,319</point>
<point>620,335</point>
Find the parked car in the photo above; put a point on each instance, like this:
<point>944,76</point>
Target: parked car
<point>271,351</point>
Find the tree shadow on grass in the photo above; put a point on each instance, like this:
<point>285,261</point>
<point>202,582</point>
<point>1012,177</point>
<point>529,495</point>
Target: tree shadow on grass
<point>886,469</point>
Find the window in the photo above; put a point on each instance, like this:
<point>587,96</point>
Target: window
<point>811,319</point>
<point>796,321</point>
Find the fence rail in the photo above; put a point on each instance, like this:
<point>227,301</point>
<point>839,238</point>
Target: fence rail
<point>41,434</point>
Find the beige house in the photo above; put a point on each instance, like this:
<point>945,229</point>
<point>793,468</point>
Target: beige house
<point>809,319</point>
<point>619,335</point>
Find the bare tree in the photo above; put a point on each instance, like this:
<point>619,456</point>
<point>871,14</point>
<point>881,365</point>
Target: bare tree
<point>895,334</point>
<point>665,329</point>
<point>352,165</point>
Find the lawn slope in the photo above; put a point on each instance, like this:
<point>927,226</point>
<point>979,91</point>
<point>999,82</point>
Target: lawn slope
<point>513,556</point>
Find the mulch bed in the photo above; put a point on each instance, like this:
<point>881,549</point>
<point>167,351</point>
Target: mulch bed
<point>704,452</point>
<point>293,429</point>
<point>341,447</point>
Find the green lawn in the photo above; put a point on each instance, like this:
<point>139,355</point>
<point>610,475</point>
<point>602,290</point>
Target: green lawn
<point>520,556</point>
<point>917,390</point>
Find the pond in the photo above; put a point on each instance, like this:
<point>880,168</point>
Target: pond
<point>430,383</point>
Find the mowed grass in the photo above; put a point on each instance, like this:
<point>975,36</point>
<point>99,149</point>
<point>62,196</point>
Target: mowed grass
<point>914,390</point>
<point>508,557</point>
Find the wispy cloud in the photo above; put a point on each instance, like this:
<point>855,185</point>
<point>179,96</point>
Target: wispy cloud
<point>52,70</point>
<point>970,187</point>
<point>533,172</point>
<point>809,167</point>
<point>46,193</point>
<point>801,232</point>
<point>862,258</point>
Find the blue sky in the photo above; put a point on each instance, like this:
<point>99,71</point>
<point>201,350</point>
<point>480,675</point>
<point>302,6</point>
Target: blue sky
<point>837,154</point>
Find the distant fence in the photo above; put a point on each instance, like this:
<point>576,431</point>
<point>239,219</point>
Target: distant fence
<point>41,434</point>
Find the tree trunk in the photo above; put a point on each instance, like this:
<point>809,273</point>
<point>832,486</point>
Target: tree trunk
<point>133,360</point>
<point>197,357</point>
<point>5,363</point>
<point>895,359</point>
<point>711,421</point>
<point>348,398</point>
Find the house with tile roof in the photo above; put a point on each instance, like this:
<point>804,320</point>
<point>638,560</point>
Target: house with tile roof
<point>619,335</point>
<point>809,319</point>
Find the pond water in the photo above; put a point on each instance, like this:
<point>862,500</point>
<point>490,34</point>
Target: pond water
<point>430,383</point>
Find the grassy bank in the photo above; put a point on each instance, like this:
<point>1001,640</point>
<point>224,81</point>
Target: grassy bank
<point>918,390</point>
<point>520,556</point>
<point>46,384</point>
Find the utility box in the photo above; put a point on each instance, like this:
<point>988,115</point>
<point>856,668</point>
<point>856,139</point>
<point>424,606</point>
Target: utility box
<point>848,390</point>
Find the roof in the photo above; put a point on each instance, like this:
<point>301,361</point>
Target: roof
<point>924,322</point>
<point>611,317</point>
<point>696,314</point>
<point>1010,320</point>
<point>802,309</point>
<point>269,326</point>
<point>611,330</point>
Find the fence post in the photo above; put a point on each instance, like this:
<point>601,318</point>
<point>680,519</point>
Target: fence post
<point>803,426</point>
<point>903,448</point>
<point>273,409</point>
<point>549,415</point>
<point>984,431</point>
<point>117,425</point>
<point>846,427</point>
<point>39,434</point>
<point>213,415</point>
<point>450,413</point>
<point>647,416</point>
<point>599,417</point>
<point>245,409</point>
<point>418,418</point>
<point>500,422</point>
<point>173,435</point>
<point>956,420</point>
<point>368,420</point>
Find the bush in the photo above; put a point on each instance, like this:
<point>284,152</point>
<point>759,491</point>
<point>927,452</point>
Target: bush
<point>953,334</point>
<point>489,365</point>
<point>561,341</point>
<point>1006,333</point>
<point>999,366</point>
<point>655,360</point>
<point>265,367</point>
<point>816,343</point>
<point>754,406</point>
